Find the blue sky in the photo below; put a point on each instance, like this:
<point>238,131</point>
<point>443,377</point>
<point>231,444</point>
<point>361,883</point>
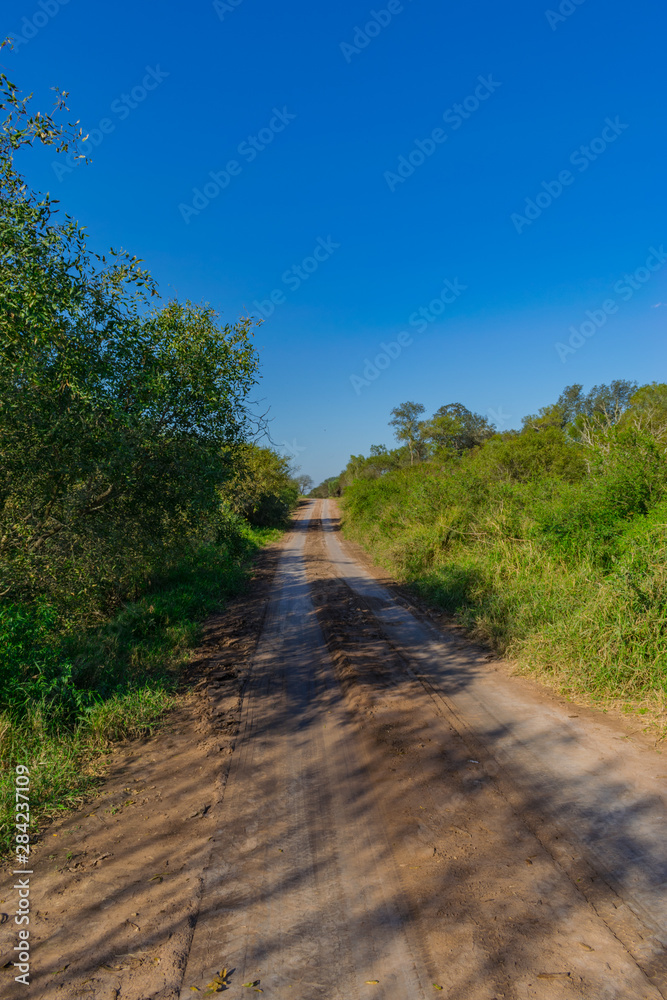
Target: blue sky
<point>533,199</point>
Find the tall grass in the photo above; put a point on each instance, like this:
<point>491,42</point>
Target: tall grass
<point>69,695</point>
<point>567,578</point>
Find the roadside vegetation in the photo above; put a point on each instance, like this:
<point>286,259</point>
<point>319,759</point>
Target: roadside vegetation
<point>549,543</point>
<point>132,496</point>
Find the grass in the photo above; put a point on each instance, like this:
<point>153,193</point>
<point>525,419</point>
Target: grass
<point>69,697</point>
<point>594,629</point>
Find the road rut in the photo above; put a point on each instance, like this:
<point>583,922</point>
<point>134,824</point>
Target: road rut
<point>301,894</point>
<point>398,819</point>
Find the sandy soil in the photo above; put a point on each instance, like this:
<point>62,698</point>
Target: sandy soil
<point>399,818</point>
<point>117,885</point>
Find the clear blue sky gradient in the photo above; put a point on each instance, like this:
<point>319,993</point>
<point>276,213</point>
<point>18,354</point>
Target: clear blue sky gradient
<point>329,174</point>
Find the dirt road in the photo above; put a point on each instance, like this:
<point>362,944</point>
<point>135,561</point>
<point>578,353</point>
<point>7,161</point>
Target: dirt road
<point>401,819</point>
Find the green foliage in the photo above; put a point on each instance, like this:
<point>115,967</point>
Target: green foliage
<point>408,428</point>
<point>329,488</point>
<point>305,484</point>
<point>452,431</point>
<point>602,406</point>
<point>261,487</point>
<point>454,428</point>
<point>65,697</point>
<point>124,480</point>
<point>33,670</point>
<point>523,457</point>
<point>550,544</point>
<point>627,478</point>
<point>116,415</point>
<point>647,412</point>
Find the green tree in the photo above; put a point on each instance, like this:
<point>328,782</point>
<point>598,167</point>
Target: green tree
<point>409,428</point>
<point>582,414</point>
<point>114,407</point>
<point>647,411</point>
<point>261,487</point>
<point>569,405</point>
<point>305,484</point>
<point>528,456</point>
<point>454,428</point>
<point>329,488</point>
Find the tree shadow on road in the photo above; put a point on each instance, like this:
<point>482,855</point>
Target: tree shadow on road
<point>369,831</point>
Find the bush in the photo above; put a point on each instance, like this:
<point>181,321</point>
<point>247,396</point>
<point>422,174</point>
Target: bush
<point>65,696</point>
<point>550,549</point>
<point>123,430</point>
<point>260,488</point>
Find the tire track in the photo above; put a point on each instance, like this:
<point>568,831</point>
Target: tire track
<point>299,893</point>
<point>618,868</point>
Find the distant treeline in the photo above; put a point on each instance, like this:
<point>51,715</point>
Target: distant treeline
<point>550,543</point>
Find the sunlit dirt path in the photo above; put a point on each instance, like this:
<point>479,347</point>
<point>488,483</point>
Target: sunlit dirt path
<point>398,819</point>
<point>302,894</point>
<point>354,802</point>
